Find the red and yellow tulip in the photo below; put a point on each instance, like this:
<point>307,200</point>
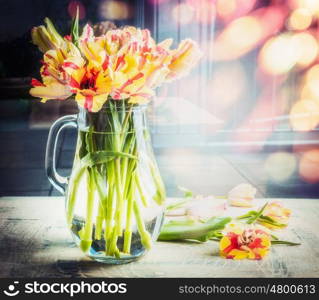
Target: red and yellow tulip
<point>277,212</point>
<point>242,242</point>
<point>123,64</point>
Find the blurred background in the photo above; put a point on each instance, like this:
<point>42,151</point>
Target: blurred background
<point>248,113</point>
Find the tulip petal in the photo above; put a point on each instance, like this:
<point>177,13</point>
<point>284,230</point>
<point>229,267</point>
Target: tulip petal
<point>184,58</point>
<point>53,91</point>
<point>90,101</point>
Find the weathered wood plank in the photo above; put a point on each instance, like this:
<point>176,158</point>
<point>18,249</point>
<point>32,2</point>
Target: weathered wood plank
<point>35,242</point>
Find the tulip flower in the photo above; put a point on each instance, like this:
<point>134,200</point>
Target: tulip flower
<point>242,242</point>
<point>61,70</point>
<point>275,213</point>
<point>184,58</point>
<point>47,38</point>
<point>242,195</point>
<point>122,64</point>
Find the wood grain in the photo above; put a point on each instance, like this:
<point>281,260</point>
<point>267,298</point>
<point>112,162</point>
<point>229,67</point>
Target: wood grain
<point>34,242</point>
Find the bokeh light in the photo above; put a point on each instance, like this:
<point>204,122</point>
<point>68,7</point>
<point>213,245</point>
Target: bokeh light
<point>310,83</point>
<point>272,19</point>
<point>304,115</point>
<point>222,91</point>
<point>311,5</point>
<point>306,48</point>
<point>114,10</point>
<point>313,73</point>
<point>239,37</point>
<point>280,166</point>
<point>309,86</point>
<point>278,55</point>
<point>226,8</point>
<point>205,10</point>
<point>259,124</point>
<point>300,19</point>
<point>183,13</point>
<point>72,8</point>
<point>309,166</point>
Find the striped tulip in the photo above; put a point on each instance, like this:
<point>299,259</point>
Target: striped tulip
<point>123,64</point>
<point>277,212</point>
<point>242,242</point>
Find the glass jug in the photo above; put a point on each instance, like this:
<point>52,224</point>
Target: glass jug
<point>114,195</point>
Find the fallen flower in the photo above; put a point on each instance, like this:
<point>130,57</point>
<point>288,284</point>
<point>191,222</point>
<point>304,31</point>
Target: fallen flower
<point>273,216</point>
<point>245,242</point>
<point>242,195</point>
<point>196,207</point>
<point>277,213</point>
<point>205,208</point>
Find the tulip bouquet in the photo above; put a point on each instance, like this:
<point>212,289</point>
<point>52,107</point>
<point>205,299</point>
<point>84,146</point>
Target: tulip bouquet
<point>110,77</point>
<point>124,64</point>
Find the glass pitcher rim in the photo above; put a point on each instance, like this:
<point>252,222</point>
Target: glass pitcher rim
<point>133,108</point>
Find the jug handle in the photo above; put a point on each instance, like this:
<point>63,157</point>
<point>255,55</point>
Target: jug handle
<point>57,180</point>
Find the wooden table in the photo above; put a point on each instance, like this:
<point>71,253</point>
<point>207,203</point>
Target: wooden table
<point>34,242</point>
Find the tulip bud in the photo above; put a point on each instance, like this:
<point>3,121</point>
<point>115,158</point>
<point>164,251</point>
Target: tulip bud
<point>46,38</point>
<point>242,195</point>
<point>41,38</point>
<point>54,35</point>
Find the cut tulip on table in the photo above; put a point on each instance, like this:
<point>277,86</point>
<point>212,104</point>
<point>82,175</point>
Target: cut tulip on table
<point>243,226</point>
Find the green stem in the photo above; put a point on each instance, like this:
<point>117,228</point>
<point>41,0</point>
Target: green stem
<point>86,235</point>
<point>247,215</point>
<point>254,218</point>
<point>119,193</point>
<point>73,193</point>
<point>278,242</point>
<point>109,209</point>
<point>145,236</point>
<point>129,172</point>
<point>112,249</point>
<point>102,204</point>
<point>159,196</point>
<point>129,209</point>
<point>99,222</point>
<point>140,190</point>
<point>117,229</point>
<point>109,212</point>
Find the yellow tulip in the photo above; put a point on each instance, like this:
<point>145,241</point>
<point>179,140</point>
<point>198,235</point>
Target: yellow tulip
<point>185,57</point>
<point>122,64</point>
<point>47,38</point>
<point>242,242</point>
<point>54,90</point>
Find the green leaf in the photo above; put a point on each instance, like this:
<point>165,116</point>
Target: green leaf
<point>54,35</point>
<point>176,205</point>
<point>247,215</point>
<point>82,149</point>
<point>100,157</point>
<point>188,222</point>
<point>181,230</point>
<point>271,221</point>
<point>75,28</point>
<point>278,242</point>
<point>187,193</point>
<point>257,215</point>
<point>274,237</point>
